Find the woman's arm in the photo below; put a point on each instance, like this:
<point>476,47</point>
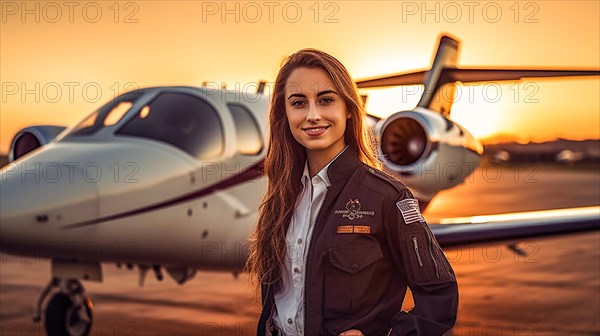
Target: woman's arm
<point>426,269</point>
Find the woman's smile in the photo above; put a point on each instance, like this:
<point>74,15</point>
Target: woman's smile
<point>315,130</point>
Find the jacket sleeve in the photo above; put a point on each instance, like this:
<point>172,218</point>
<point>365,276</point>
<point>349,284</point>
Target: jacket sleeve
<point>426,269</point>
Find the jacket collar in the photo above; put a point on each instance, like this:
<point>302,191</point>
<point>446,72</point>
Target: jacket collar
<point>342,167</point>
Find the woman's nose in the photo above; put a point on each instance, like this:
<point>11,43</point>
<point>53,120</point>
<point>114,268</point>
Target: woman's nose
<point>313,114</point>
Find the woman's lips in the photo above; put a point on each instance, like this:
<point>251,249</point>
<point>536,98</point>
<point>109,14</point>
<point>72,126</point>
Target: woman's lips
<point>315,131</point>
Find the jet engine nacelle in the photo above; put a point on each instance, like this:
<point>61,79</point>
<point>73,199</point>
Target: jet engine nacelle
<point>30,138</point>
<point>426,150</point>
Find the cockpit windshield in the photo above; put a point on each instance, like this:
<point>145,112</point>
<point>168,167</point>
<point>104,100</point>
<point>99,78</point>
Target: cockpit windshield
<point>185,121</point>
<point>107,115</point>
<point>181,120</point>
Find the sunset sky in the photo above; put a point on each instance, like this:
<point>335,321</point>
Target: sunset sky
<point>61,60</point>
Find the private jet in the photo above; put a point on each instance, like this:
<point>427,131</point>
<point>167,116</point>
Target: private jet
<point>168,180</point>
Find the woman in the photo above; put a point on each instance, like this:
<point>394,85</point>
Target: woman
<point>338,241</point>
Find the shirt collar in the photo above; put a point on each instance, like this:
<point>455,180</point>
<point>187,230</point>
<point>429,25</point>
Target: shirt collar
<point>322,173</point>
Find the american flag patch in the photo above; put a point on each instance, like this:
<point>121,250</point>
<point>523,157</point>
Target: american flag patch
<point>409,208</point>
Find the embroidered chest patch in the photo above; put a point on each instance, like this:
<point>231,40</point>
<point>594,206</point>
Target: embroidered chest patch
<point>409,208</point>
<point>353,210</point>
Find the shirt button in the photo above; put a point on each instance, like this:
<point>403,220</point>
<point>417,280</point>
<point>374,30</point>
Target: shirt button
<point>354,267</point>
<point>296,270</point>
<point>290,321</point>
<point>299,240</point>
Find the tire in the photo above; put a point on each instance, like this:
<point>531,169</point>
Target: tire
<point>60,315</point>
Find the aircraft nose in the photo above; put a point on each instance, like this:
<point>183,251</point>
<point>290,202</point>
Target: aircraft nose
<point>37,197</point>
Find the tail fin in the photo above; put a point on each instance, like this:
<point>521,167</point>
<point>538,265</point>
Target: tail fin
<point>435,98</point>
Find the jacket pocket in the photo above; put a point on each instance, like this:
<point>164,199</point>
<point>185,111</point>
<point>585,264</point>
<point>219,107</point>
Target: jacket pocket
<point>426,262</point>
<point>349,279</point>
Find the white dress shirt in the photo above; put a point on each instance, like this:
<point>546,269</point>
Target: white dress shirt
<point>288,314</point>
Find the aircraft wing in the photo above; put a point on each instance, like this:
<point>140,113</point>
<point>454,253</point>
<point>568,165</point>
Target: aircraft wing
<point>470,76</point>
<point>409,78</point>
<point>514,226</point>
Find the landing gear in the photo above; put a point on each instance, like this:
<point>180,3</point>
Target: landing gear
<point>69,310</point>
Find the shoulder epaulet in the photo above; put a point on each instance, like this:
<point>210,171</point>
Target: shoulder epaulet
<point>391,180</point>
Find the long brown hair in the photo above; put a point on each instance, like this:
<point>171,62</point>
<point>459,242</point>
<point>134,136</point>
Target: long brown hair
<point>285,158</point>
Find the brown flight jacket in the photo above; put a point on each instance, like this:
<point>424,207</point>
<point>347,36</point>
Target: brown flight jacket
<point>362,256</point>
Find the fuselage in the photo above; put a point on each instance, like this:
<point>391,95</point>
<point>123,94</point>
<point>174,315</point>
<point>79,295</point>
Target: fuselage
<point>102,193</point>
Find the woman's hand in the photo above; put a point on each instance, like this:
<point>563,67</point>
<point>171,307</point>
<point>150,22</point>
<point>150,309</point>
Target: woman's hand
<point>352,332</point>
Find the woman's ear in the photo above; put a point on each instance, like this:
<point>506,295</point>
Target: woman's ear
<point>348,115</point>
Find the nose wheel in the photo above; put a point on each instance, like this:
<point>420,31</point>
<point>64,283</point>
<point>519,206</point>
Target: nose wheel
<point>69,309</point>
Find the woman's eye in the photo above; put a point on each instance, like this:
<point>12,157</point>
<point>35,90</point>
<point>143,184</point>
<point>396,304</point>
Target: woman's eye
<point>327,100</point>
<point>298,103</point>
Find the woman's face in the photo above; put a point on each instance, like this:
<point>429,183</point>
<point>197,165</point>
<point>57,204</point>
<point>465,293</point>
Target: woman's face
<point>315,111</point>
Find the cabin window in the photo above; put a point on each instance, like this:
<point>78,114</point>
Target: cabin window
<point>249,138</point>
<point>182,120</point>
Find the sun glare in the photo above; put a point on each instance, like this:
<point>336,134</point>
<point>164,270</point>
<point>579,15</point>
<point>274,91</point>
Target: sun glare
<point>479,111</point>
<point>475,108</point>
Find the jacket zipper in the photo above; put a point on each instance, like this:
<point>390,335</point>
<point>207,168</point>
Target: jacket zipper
<point>263,308</point>
<point>417,250</point>
<point>437,272</point>
<point>312,234</point>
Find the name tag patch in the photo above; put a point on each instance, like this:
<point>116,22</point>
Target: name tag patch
<point>409,208</point>
<point>365,229</point>
<point>353,210</point>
